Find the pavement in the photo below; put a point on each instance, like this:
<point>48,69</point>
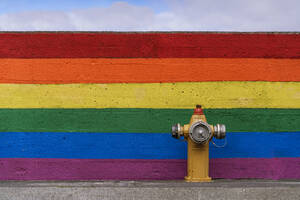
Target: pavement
<point>142,190</point>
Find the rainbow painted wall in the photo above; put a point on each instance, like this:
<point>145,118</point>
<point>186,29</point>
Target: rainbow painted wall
<point>88,106</point>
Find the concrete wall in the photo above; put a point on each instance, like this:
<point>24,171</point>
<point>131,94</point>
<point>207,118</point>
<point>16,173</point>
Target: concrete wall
<point>98,106</point>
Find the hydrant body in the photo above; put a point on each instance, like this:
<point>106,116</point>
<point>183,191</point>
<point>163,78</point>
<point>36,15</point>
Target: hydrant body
<point>198,134</point>
<point>198,157</point>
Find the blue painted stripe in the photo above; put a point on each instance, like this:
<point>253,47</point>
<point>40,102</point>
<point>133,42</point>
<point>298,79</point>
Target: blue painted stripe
<point>141,145</point>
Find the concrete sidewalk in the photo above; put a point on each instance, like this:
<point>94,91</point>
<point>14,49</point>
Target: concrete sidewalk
<point>141,190</point>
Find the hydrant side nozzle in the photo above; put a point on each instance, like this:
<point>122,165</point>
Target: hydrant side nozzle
<point>219,131</point>
<point>177,131</point>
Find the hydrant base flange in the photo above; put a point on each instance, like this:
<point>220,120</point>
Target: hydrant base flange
<point>189,179</point>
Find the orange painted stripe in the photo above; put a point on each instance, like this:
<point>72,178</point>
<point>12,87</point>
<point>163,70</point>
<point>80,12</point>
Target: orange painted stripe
<point>102,70</point>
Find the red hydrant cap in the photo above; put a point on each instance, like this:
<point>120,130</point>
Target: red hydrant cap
<point>198,110</point>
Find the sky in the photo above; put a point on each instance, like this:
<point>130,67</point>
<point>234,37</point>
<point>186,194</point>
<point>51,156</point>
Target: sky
<point>150,15</point>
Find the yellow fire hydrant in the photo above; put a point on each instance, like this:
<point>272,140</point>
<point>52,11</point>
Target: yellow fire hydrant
<point>198,134</point>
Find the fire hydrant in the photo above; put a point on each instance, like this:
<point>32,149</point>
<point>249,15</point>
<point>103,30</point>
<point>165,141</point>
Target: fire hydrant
<point>198,133</point>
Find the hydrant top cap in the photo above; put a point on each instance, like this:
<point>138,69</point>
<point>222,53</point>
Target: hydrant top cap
<point>198,110</point>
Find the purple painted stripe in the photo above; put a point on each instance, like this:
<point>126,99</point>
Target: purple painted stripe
<point>265,168</point>
<point>138,169</point>
<point>90,169</point>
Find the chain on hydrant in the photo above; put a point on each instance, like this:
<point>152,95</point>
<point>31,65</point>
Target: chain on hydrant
<point>198,134</point>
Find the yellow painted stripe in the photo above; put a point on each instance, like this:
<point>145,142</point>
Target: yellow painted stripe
<point>153,95</point>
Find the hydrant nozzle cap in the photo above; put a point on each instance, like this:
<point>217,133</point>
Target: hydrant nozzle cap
<point>198,110</point>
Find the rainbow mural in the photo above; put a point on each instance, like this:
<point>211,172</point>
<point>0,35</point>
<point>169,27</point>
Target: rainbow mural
<point>90,106</point>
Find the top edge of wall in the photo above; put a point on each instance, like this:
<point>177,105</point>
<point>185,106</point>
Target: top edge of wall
<point>169,32</point>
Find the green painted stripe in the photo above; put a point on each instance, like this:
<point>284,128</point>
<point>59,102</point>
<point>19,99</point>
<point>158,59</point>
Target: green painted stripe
<point>144,120</point>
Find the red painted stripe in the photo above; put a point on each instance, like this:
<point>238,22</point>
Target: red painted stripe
<point>149,45</point>
<point>136,169</point>
<point>143,70</point>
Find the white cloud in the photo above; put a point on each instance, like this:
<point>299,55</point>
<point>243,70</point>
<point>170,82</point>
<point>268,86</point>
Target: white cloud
<point>36,20</point>
<point>182,15</point>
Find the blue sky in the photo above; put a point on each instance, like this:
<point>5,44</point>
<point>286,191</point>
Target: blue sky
<point>150,15</point>
<point>9,6</point>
